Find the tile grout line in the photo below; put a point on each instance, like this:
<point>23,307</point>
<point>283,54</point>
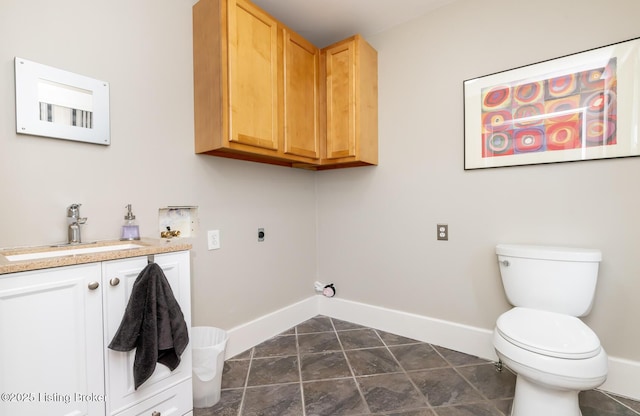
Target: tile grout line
<point>618,401</point>
<point>473,386</point>
<point>304,404</point>
<point>246,383</point>
<point>353,375</point>
<point>404,371</point>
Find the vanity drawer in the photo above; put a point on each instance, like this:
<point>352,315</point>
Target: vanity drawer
<point>175,401</point>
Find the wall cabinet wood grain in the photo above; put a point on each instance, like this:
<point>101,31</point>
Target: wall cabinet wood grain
<point>262,92</point>
<point>350,70</point>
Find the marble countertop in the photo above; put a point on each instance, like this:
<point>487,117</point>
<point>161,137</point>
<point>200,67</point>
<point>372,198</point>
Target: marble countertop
<point>149,246</point>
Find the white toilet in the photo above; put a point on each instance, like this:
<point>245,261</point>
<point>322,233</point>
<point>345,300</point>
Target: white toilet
<point>553,353</point>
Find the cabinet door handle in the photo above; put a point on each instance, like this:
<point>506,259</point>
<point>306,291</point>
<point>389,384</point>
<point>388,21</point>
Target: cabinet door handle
<point>114,282</point>
<point>156,414</point>
<point>93,285</point>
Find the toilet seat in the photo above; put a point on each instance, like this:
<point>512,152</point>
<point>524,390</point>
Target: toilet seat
<point>548,333</point>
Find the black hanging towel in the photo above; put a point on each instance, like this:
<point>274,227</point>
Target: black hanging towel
<point>153,324</point>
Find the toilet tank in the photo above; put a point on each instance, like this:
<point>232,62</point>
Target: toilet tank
<point>556,279</point>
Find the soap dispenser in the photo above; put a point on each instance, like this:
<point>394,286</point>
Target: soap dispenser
<point>130,230</point>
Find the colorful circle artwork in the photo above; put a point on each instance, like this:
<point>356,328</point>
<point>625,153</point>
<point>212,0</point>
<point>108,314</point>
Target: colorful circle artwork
<point>562,86</point>
<point>527,115</point>
<point>593,79</point>
<point>529,140</point>
<point>496,120</point>
<point>599,101</point>
<point>549,112</point>
<point>563,109</point>
<point>563,136</point>
<point>498,97</point>
<point>528,93</point>
<point>599,132</point>
<point>497,144</point>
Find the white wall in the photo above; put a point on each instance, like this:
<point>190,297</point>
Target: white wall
<point>376,227</point>
<point>143,49</point>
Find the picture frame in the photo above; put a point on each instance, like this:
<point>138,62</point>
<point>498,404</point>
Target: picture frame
<point>51,102</point>
<point>582,106</point>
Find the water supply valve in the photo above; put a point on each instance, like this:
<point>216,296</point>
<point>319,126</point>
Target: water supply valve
<point>327,290</point>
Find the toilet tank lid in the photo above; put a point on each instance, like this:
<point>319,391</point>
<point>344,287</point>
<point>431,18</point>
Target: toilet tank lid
<point>549,252</point>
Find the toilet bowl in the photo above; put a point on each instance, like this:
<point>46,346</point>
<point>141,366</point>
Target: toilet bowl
<point>552,352</point>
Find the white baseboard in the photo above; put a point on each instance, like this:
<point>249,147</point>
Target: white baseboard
<point>623,378</point>
<point>250,334</point>
<point>463,338</point>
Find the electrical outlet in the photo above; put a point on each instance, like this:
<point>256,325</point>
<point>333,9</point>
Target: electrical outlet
<point>213,239</point>
<point>442,232</point>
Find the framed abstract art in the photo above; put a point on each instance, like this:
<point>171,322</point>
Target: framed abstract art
<point>577,107</point>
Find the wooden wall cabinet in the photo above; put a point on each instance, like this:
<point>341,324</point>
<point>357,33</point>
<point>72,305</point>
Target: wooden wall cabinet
<point>301,97</point>
<point>260,91</point>
<point>255,86</point>
<point>350,104</point>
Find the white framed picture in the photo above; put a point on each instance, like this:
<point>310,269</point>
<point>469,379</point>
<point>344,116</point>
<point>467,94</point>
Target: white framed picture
<point>51,102</point>
<point>582,106</point>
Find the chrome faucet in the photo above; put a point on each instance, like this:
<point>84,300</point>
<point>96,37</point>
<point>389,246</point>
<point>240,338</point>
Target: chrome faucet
<point>74,221</point>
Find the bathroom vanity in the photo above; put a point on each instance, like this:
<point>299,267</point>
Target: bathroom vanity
<point>56,323</point>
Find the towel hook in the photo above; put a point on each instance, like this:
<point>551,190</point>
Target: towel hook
<point>150,259</point>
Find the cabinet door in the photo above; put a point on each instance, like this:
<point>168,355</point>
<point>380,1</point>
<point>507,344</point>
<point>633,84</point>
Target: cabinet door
<point>121,394</point>
<point>341,100</point>
<point>253,76</point>
<point>51,360</point>
<point>301,77</point>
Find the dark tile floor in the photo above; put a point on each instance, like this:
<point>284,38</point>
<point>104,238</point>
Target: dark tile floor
<point>328,367</point>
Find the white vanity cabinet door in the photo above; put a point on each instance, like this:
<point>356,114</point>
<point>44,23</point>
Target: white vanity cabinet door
<point>51,356</point>
<point>122,398</point>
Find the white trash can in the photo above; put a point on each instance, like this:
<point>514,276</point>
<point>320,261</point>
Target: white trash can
<point>207,345</point>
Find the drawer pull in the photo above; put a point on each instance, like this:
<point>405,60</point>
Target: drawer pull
<point>156,414</point>
<point>114,282</point>
<point>93,285</point>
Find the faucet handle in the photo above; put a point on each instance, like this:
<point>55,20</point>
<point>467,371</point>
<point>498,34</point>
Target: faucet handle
<point>73,210</point>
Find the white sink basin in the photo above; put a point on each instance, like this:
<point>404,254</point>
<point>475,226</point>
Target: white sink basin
<point>70,251</point>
